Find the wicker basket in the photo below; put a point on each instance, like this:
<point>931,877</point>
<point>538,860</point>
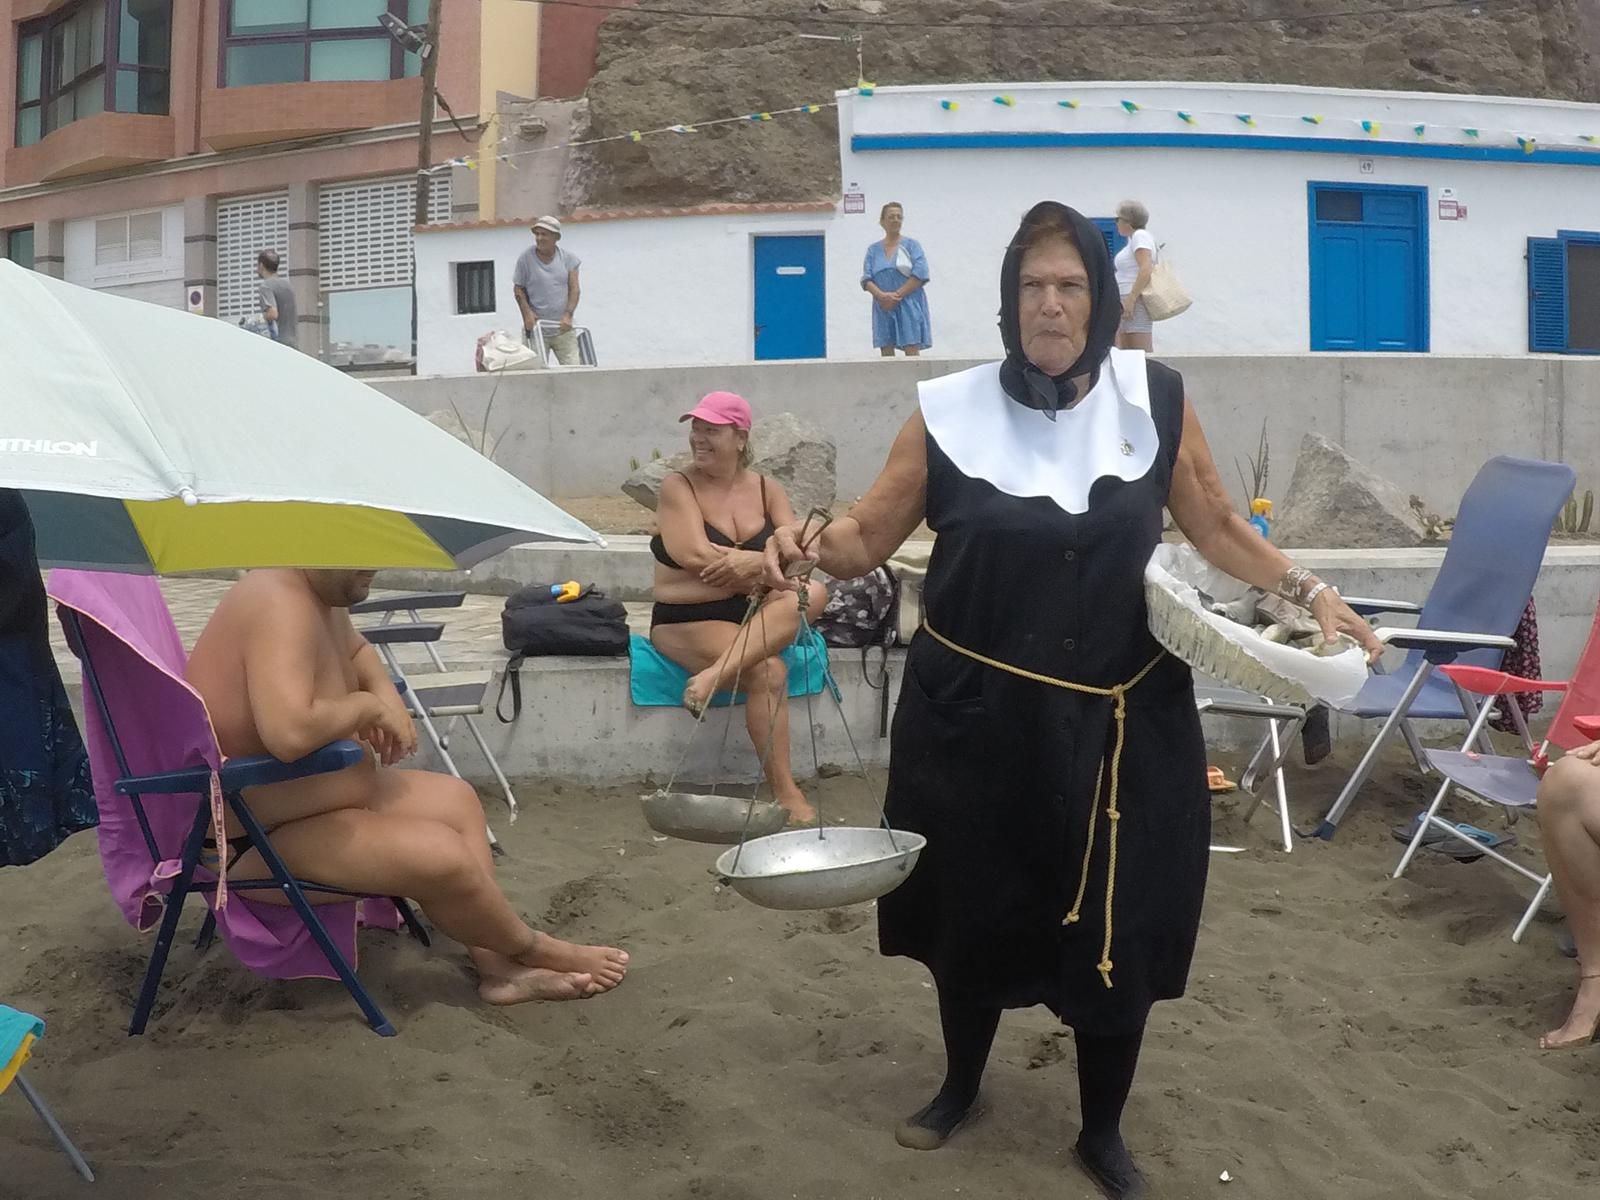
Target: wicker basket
<point>1235,654</point>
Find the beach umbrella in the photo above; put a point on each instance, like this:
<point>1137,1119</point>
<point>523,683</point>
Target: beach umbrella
<point>146,439</point>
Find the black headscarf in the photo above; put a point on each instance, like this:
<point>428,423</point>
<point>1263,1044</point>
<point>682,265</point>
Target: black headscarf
<point>1024,382</point>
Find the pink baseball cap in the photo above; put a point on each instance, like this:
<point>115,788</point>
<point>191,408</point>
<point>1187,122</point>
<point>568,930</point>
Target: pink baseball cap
<point>721,408</point>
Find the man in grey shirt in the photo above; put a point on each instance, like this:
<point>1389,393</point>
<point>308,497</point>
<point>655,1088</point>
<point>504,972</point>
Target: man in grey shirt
<point>545,284</point>
<point>276,300</point>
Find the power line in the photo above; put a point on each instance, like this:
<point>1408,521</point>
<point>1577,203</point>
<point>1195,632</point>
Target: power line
<point>848,22</point>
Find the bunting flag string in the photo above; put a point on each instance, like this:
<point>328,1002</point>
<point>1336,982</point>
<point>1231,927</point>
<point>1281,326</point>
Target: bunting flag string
<point>1370,127</point>
<point>1528,142</point>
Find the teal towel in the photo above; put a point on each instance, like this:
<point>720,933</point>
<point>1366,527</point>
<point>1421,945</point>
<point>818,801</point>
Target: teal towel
<point>14,1029</point>
<point>655,679</point>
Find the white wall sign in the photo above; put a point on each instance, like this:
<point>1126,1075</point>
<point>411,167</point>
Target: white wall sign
<point>855,202</point>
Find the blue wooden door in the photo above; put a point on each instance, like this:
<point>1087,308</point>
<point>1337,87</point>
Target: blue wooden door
<point>1368,268</point>
<point>791,298</point>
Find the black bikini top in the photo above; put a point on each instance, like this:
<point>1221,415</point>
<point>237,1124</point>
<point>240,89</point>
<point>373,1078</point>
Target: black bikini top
<point>715,536</point>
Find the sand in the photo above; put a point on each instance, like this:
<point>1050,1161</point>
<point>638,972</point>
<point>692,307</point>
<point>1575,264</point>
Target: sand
<point>1344,1036</point>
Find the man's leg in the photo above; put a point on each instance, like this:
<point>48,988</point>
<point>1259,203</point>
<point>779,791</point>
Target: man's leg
<point>431,796</point>
<point>414,839</point>
<point>1569,828</point>
<point>565,347</point>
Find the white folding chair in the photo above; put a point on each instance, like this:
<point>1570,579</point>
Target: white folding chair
<point>1283,726</point>
<point>440,694</point>
<point>1511,781</point>
<point>539,337</point>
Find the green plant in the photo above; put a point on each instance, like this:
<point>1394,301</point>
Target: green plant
<point>633,463</point>
<point>1574,519</point>
<point>1434,526</point>
<point>1260,467</point>
<point>655,456</point>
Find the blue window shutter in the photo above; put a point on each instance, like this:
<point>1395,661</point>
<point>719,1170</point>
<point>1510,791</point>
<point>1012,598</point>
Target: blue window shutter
<point>1547,295</point>
<point>1108,230</point>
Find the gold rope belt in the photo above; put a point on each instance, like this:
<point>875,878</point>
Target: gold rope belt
<point>1118,694</point>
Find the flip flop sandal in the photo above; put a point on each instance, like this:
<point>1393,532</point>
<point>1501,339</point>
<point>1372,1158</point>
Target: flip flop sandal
<point>1566,944</point>
<point>1218,782</point>
<point>1440,842</point>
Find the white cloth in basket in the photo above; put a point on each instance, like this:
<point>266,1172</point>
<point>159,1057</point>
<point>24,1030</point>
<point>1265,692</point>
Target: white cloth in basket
<point>1232,653</point>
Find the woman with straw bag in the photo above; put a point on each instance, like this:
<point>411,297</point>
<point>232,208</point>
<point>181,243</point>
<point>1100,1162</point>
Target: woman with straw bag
<point>1149,287</point>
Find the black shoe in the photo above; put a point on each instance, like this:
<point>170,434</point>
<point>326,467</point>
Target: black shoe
<point>1112,1169</point>
<point>932,1125</point>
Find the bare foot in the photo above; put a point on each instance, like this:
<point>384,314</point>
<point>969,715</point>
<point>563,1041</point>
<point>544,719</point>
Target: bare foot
<point>1582,1021</point>
<point>801,811</point>
<point>702,687</point>
<point>534,983</point>
<point>606,966</point>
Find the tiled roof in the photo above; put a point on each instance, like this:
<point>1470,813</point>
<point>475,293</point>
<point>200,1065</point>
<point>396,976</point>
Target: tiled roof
<point>583,215</point>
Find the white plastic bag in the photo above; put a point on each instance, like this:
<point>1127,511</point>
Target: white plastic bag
<point>910,566</point>
<point>1232,653</point>
<point>500,351</point>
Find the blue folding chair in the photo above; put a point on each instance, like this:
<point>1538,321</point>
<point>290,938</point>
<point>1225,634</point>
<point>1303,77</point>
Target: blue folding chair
<point>149,736</point>
<point>1496,549</point>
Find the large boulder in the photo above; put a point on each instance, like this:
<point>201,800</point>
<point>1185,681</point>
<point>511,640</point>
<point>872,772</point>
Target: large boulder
<point>1334,501</point>
<point>787,448</point>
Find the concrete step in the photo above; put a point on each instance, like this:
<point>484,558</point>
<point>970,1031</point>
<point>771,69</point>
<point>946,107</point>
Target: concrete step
<point>1566,592</point>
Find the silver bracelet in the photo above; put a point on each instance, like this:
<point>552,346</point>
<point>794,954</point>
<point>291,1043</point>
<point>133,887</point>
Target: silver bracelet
<point>1317,590</point>
<point>1294,582</point>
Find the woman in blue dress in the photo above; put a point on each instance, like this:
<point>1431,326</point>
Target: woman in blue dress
<point>895,273</point>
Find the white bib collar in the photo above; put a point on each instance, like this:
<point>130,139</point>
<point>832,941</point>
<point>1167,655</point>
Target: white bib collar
<point>1022,452</point>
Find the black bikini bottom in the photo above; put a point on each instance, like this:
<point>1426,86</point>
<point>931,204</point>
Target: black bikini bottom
<point>731,610</point>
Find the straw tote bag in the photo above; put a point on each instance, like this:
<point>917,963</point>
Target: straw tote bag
<point>1164,297</point>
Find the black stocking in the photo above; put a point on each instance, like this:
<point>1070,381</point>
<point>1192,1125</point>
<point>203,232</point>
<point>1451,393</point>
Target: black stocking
<point>968,1034</point>
<point>1105,1075</point>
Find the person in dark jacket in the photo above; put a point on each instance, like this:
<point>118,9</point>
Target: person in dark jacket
<point>45,792</point>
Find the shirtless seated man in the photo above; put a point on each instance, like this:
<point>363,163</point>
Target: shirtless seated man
<point>284,672</point>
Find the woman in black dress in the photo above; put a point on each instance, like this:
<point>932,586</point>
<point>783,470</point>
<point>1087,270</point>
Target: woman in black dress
<point>1044,743</point>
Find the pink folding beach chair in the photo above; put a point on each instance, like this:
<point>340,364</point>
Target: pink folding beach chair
<point>162,783</point>
<point>1511,781</point>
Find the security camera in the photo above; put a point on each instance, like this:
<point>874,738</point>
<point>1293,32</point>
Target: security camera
<point>412,38</point>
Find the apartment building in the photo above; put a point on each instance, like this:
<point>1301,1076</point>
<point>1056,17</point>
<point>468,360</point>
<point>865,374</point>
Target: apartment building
<point>153,148</point>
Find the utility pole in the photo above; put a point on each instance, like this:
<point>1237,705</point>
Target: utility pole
<point>430,84</point>
<point>430,78</point>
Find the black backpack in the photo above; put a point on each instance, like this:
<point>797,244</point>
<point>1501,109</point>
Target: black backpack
<point>861,612</point>
<point>534,624</point>
<point>864,613</point>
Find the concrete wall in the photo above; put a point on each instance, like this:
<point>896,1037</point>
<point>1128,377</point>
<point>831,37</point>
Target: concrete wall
<point>1427,422</point>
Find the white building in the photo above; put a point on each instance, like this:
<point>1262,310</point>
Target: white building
<point>1298,218</point>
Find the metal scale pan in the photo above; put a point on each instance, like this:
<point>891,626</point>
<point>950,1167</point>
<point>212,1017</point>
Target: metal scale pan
<point>824,867</point>
<point>709,817</point>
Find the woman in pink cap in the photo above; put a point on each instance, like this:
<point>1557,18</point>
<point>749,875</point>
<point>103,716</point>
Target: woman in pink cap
<point>715,517</point>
